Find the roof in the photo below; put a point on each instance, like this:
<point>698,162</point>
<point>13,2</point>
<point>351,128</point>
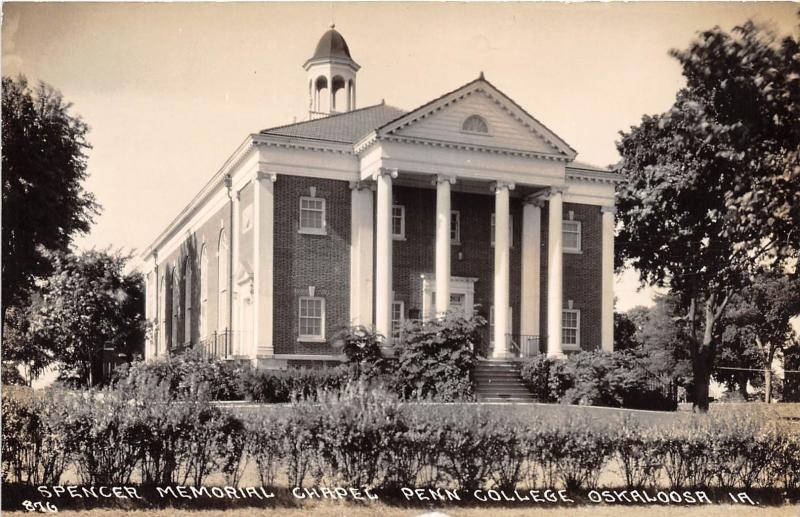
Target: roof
<point>331,44</point>
<point>587,166</point>
<point>348,128</point>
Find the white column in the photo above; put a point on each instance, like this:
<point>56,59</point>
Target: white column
<point>443,243</point>
<point>531,269</point>
<point>263,251</point>
<point>501,267</point>
<point>555,267</point>
<point>383,253</point>
<point>607,313</point>
<point>361,225</point>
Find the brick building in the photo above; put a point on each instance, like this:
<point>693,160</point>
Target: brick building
<point>374,215</point>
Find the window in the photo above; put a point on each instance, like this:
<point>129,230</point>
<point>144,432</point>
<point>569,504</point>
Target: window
<point>475,124</point>
<point>571,235</point>
<point>222,283</point>
<point>187,299</point>
<point>312,215</point>
<point>398,222</point>
<point>571,329</point>
<point>510,231</point>
<point>162,309</point>
<point>176,307</point>
<point>203,293</point>
<point>398,317</point>
<point>455,227</point>
<point>312,318</point>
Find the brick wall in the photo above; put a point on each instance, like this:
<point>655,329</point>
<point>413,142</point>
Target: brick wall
<point>302,260</point>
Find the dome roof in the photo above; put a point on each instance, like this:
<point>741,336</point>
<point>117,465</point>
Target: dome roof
<point>331,44</point>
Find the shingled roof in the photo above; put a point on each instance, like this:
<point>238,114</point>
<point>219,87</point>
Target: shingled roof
<point>346,128</point>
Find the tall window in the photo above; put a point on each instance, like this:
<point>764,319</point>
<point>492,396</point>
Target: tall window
<point>312,318</point>
<point>571,235</point>
<point>475,124</point>
<point>312,215</point>
<point>398,222</point>
<point>571,328</point>
<point>188,292</point>
<point>176,307</point>
<point>162,316</point>
<point>510,231</point>
<point>222,281</point>
<point>455,227</point>
<point>203,293</point>
<point>398,317</point>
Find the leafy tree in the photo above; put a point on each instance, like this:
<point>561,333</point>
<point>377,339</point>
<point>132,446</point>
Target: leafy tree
<point>87,304</point>
<point>21,347</point>
<point>692,170</point>
<point>663,343</point>
<point>625,332</point>
<point>44,165</point>
<point>757,327</point>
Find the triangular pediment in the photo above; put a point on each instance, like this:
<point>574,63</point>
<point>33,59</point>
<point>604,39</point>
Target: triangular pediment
<point>508,125</point>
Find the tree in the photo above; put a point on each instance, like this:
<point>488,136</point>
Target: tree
<point>757,327</point>
<point>625,332</point>
<point>686,167</point>
<point>89,304</point>
<point>44,165</point>
<point>21,347</point>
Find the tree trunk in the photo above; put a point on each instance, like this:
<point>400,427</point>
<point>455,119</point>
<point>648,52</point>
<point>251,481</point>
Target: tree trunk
<point>742,382</point>
<point>701,368</point>
<point>768,384</point>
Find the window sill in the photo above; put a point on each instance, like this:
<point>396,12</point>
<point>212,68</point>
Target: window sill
<point>310,339</point>
<point>570,348</point>
<point>572,252</point>
<point>455,243</point>
<point>312,231</point>
<point>398,238</point>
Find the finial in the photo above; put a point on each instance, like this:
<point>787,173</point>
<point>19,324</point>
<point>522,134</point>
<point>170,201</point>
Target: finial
<point>383,101</point>
<point>481,76</point>
<point>333,25</point>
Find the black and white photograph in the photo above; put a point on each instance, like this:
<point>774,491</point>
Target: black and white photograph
<point>441,259</point>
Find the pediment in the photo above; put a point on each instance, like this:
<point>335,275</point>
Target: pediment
<point>509,126</point>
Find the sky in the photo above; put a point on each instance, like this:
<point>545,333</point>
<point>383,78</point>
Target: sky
<point>170,90</point>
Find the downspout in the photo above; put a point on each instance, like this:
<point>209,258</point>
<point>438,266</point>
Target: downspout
<point>228,185</point>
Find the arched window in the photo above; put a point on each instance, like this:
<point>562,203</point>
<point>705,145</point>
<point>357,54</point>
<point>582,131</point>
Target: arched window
<point>176,307</point>
<point>203,293</point>
<point>162,315</point>
<point>475,124</point>
<point>222,281</point>
<point>188,292</point>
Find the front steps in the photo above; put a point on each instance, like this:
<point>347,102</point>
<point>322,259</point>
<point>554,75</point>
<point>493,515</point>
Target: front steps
<point>500,381</point>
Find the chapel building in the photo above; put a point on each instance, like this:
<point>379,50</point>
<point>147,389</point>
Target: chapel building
<point>375,215</point>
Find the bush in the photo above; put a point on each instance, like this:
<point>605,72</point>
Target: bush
<point>264,436</point>
<point>597,378</point>
<point>34,448</point>
<point>281,386</point>
<point>186,374</point>
<point>435,358</point>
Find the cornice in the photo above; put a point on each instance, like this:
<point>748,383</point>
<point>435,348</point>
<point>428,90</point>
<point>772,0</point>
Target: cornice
<point>306,144</point>
<point>505,151</point>
<point>593,176</point>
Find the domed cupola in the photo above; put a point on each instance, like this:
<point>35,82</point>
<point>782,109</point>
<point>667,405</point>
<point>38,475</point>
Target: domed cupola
<point>331,70</point>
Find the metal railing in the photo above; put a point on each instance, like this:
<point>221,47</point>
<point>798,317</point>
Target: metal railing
<point>217,344</point>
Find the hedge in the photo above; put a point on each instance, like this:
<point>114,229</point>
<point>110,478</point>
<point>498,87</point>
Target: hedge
<point>364,436</point>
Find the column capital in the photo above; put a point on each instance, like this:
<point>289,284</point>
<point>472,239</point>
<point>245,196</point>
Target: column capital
<point>383,171</point>
<point>444,178</point>
<point>500,185</point>
<point>608,210</point>
<point>552,191</point>
<point>362,185</point>
<point>536,200</point>
<point>261,175</point>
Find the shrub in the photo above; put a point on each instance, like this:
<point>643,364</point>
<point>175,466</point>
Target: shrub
<point>264,437</point>
<point>34,448</point>
<point>362,347</point>
<point>282,385</point>
<point>683,450</point>
<point>632,444</point>
<point>414,451</point>
<point>186,374</point>
<point>435,358</point>
<point>535,374</point>
<point>105,434</point>
<point>468,446</point>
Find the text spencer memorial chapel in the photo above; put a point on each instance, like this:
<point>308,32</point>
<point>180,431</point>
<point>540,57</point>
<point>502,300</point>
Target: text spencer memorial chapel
<point>374,215</point>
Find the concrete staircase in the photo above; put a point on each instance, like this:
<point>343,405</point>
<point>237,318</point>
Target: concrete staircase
<point>500,381</point>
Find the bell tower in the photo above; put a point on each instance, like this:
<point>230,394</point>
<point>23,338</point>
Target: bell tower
<point>331,74</point>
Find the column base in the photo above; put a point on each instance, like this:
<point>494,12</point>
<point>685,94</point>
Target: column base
<point>268,362</point>
<point>505,356</point>
<point>556,355</point>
